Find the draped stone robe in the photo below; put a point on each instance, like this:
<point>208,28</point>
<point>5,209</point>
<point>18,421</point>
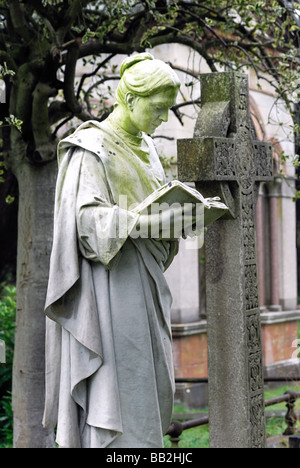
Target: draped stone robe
<point>109,370</point>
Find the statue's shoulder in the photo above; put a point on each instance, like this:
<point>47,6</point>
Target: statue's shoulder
<point>89,136</point>
<point>89,132</point>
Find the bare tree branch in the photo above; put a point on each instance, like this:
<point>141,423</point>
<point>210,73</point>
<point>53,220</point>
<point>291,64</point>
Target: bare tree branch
<point>57,111</point>
<point>93,73</point>
<point>18,20</point>
<point>94,47</point>
<point>186,103</point>
<point>44,151</point>
<point>70,72</point>
<point>62,124</point>
<point>184,70</point>
<point>95,85</point>
<point>165,137</point>
<point>26,81</point>
<point>188,41</point>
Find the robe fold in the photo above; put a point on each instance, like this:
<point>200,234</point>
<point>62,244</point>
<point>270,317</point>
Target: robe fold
<point>109,369</point>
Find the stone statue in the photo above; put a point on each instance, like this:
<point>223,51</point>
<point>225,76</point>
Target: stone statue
<point>109,371</point>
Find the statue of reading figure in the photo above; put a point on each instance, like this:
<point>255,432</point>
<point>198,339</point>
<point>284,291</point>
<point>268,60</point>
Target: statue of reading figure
<point>109,370</point>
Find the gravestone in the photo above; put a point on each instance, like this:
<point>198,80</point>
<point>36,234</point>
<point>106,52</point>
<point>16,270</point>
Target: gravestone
<point>2,352</point>
<point>224,158</point>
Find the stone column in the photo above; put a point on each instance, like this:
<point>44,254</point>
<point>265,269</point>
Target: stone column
<point>274,247</point>
<point>260,251</point>
<point>287,242</point>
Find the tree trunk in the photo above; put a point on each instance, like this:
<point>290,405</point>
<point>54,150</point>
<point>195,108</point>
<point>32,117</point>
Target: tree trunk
<point>35,220</point>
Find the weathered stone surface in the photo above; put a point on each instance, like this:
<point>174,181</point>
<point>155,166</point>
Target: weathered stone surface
<point>230,162</point>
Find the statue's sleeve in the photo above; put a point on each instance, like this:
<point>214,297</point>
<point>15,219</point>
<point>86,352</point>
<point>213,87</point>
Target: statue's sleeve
<point>102,226</point>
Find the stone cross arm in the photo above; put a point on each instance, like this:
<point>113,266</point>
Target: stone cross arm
<point>224,159</point>
<point>225,147</point>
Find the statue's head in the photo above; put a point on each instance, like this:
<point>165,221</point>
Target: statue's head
<point>147,90</point>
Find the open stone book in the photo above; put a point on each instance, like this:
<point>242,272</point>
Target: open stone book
<point>176,192</point>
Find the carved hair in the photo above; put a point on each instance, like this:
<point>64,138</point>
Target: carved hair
<point>143,75</point>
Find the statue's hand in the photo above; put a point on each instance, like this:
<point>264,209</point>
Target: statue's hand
<point>169,224</point>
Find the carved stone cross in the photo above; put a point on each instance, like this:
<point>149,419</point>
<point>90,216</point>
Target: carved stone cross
<point>225,158</point>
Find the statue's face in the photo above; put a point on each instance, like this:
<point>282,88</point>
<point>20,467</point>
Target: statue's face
<point>147,113</point>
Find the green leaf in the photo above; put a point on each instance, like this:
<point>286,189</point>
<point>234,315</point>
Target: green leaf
<point>9,199</point>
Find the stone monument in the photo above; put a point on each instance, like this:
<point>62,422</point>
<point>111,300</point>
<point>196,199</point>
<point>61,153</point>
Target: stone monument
<point>224,158</point>
<point>108,303</point>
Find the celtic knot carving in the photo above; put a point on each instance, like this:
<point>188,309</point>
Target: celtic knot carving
<point>245,163</point>
<point>257,419</point>
<point>243,159</point>
<point>264,160</point>
<point>247,213</point>
<point>256,383</point>
<point>253,333</point>
<point>251,287</point>
<point>255,369</point>
<point>224,157</point>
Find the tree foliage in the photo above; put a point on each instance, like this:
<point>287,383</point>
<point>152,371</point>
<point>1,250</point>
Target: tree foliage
<point>39,38</point>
